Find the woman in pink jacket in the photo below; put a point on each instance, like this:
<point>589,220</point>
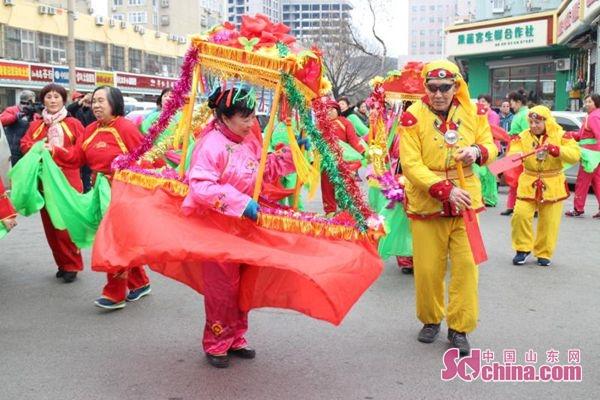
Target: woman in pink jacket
<point>221,177</point>
<point>588,138</point>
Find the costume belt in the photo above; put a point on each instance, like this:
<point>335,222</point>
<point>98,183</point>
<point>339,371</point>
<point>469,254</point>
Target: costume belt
<point>543,174</point>
<point>452,174</point>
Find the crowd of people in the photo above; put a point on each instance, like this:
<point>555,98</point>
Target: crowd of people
<point>444,143</point>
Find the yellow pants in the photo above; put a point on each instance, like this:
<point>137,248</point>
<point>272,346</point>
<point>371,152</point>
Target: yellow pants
<point>433,241</point>
<point>549,216</point>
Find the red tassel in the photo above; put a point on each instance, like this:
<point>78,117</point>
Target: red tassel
<point>229,96</point>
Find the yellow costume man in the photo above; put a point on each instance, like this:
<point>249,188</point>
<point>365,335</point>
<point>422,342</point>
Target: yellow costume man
<point>542,185</point>
<point>437,132</point>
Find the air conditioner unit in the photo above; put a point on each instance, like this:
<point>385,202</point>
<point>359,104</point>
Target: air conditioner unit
<point>112,22</point>
<point>173,37</point>
<point>142,30</point>
<point>157,35</point>
<point>114,8</point>
<point>563,64</point>
<point>164,3</point>
<point>43,9</point>
<point>90,10</point>
<point>123,24</point>
<point>99,20</point>
<point>182,39</point>
<point>51,10</point>
<point>135,70</point>
<point>136,28</point>
<point>9,2</point>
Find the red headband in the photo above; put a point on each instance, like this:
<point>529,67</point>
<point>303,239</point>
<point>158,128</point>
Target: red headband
<point>440,73</point>
<point>536,116</point>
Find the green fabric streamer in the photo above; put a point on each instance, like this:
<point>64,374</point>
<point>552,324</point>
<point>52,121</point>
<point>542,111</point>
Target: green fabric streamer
<point>489,185</point>
<point>359,126</point>
<point>590,159</point>
<point>78,213</point>
<point>398,240</point>
<point>164,135</point>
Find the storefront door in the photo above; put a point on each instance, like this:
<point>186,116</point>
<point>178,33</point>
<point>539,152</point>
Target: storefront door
<point>538,80</point>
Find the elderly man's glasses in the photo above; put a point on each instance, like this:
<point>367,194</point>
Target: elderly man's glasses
<point>443,88</point>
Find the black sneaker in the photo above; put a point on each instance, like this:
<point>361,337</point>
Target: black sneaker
<point>429,333</point>
<point>544,262</point>
<point>407,271</point>
<point>69,276</point>
<point>59,273</point>
<point>244,352</point>
<point>221,361</point>
<point>508,211</point>
<point>459,340</point>
<point>521,257</point>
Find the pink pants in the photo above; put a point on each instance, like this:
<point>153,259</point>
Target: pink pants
<point>512,197</point>
<point>582,186</point>
<point>226,324</point>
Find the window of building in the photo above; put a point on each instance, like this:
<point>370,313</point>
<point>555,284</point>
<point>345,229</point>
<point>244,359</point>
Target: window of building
<point>335,6</point>
<point>136,2</point>
<point>135,60</point>
<point>117,2</point>
<point>138,17</point>
<point>315,7</point>
<point>286,7</point>
<point>305,7</point>
<point>414,8</point>
<point>325,7</point>
<point>423,8</point>
<point>168,66</point>
<point>151,65</point>
<point>120,17</point>
<point>12,42</point>
<point>81,54</point>
<point>28,46</point>
<point>117,58</point>
<point>97,52</point>
<point>52,48</point>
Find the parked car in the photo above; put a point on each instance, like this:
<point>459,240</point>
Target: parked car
<point>139,105</point>
<point>137,116</point>
<point>4,158</point>
<point>570,121</point>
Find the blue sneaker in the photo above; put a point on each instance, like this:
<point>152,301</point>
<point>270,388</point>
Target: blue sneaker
<point>544,262</point>
<point>138,293</point>
<point>108,304</point>
<point>521,257</point>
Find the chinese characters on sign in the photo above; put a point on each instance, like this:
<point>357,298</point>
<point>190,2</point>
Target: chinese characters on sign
<point>13,71</point>
<point>489,39</point>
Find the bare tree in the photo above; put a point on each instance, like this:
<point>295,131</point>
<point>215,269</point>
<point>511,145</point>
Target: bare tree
<point>359,42</point>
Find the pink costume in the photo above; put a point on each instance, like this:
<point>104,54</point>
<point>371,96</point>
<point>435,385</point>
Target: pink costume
<point>221,176</point>
<point>589,138</point>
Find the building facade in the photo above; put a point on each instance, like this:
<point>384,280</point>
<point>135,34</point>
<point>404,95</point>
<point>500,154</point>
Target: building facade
<point>33,52</point>
<point>316,20</point>
<point>172,17</point>
<point>551,54</point>
<point>236,8</point>
<point>427,21</point>
<point>495,9</point>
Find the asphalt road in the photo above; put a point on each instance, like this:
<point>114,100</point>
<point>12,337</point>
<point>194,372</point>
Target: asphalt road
<point>54,344</point>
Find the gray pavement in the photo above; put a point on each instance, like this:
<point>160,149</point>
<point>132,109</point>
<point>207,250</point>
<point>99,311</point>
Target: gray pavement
<point>54,344</point>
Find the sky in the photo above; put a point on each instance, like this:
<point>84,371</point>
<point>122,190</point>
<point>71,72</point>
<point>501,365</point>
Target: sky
<point>392,21</point>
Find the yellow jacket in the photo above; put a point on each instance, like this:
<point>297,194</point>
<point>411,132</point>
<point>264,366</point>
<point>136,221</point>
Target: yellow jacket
<point>428,162</point>
<point>544,180</point>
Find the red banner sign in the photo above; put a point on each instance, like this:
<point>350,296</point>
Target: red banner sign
<point>85,77</point>
<point>42,73</point>
<point>14,71</point>
<point>145,82</point>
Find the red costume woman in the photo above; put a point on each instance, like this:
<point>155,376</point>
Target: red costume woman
<point>60,132</point>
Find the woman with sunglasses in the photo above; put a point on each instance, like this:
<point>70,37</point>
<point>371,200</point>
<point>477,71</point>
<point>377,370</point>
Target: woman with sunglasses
<point>60,133</point>
<point>542,186</point>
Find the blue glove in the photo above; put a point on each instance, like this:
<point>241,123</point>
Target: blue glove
<point>303,142</point>
<point>251,210</point>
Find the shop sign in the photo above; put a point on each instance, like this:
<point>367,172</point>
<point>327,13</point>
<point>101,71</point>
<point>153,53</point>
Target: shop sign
<point>515,36</point>
<point>61,75</point>
<point>13,71</point>
<point>568,20</point>
<point>83,77</point>
<point>142,81</point>
<point>105,78</point>
<point>41,73</point>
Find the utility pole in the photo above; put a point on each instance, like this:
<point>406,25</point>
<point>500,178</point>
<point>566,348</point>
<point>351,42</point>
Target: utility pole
<point>71,44</point>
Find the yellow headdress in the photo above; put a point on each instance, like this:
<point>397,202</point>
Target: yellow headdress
<point>543,113</point>
<point>444,69</point>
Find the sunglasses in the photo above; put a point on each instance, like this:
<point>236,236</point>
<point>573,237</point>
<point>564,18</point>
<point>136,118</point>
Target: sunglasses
<point>443,88</point>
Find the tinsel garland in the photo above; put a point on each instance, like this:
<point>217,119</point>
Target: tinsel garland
<point>175,103</point>
<point>347,193</point>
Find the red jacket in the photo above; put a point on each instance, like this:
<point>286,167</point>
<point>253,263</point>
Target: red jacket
<point>345,132</point>
<point>73,132</point>
<point>6,208</point>
<point>101,144</point>
<point>9,115</point>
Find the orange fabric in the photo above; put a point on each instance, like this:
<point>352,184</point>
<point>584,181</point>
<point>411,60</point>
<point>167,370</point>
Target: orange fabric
<point>318,277</point>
